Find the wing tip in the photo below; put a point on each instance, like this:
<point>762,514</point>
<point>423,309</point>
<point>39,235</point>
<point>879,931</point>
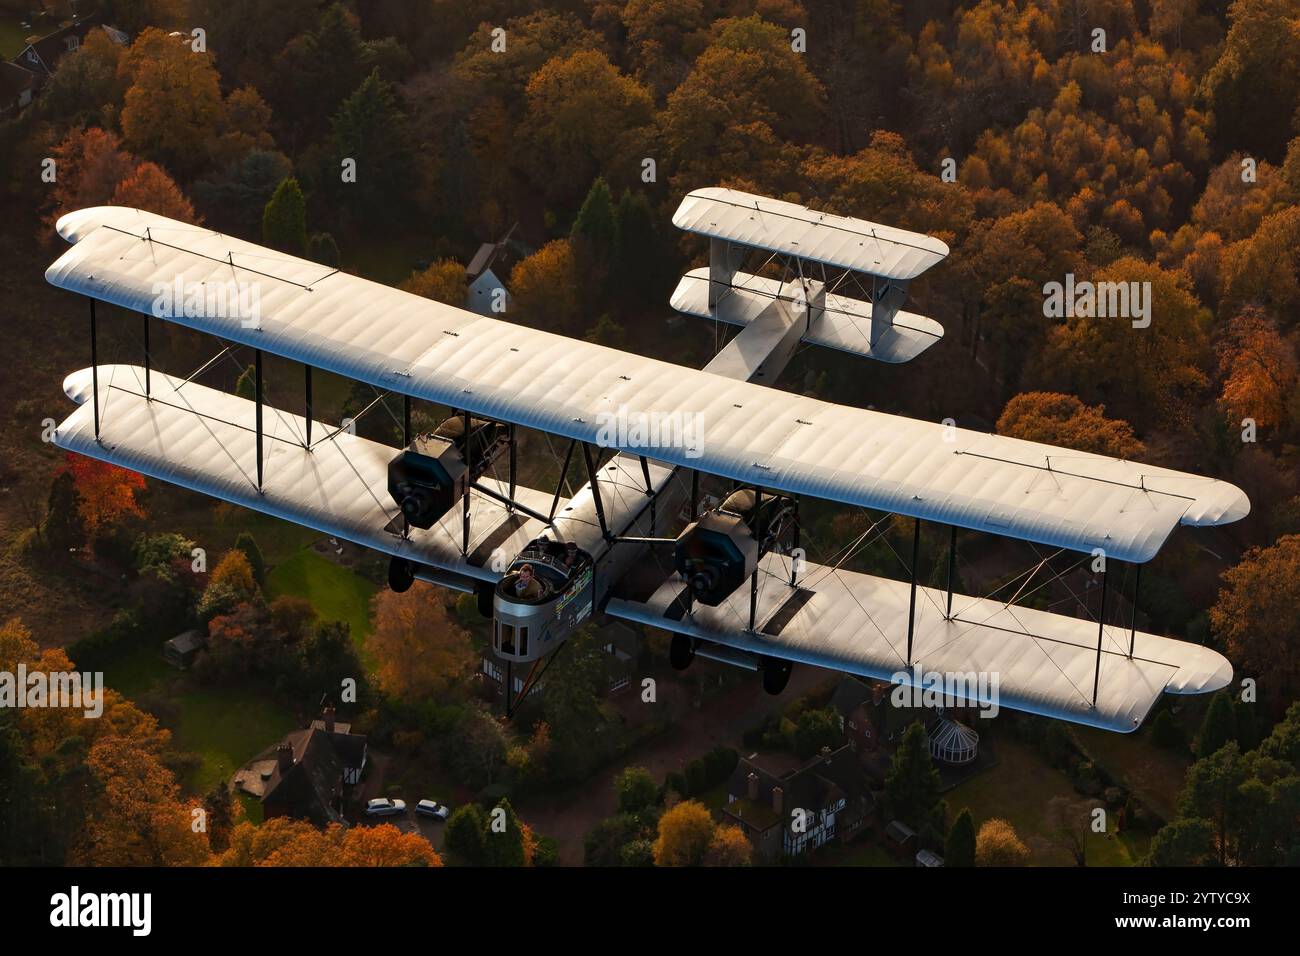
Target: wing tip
<point>78,385</point>
<point>74,226</point>
<point>1226,504</point>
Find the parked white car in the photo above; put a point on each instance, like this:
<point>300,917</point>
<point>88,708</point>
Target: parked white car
<point>432,808</point>
<point>383,807</point>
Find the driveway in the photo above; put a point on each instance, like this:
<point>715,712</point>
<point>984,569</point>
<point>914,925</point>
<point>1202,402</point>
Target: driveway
<point>567,817</point>
<point>432,830</point>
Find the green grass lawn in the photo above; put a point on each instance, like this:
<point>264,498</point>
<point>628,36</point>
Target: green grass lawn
<point>226,728</point>
<point>1018,790</point>
<point>13,36</point>
<point>863,852</point>
<point>1153,773</point>
<point>137,671</point>
<point>335,592</point>
<point>421,777</point>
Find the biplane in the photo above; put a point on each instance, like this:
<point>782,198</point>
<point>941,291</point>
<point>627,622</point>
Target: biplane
<point>638,541</point>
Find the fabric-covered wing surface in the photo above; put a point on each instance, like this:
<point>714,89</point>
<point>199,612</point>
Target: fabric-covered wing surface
<point>204,440</point>
<point>846,621</point>
<point>750,433</point>
<point>785,227</point>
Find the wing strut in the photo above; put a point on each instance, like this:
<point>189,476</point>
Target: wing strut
<point>94,365</point>
<point>514,466</point>
<point>559,482</point>
<point>911,608</point>
<point>257,374</point>
<point>952,565</point>
<point>1101,628</point>
<point>794,554</point>
<point>649,490</point>
<point>595,491</point>
<point>144,316</point>
<point>469,468</point>
<point>762,534</point>
<point>1133,625</point>
<point>307,396</point>
<point>510,503</point>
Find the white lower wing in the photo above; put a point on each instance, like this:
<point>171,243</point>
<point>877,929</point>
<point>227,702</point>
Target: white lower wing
<point>205,440</point>
<point>1042,663</point>
<point>844,324</point>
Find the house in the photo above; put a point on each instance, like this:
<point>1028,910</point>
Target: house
<point>181,650</point>
<point>786,811</point>
<point>871,722</point>
<point>351,747</point>
<point>42,55</point>
<point>856,702</point>
<point>17,87</point>
<point>624,649</point>
<point>493,672</point>
<point>306,775</point>
<point>487,294</point>
<point>621,644</point>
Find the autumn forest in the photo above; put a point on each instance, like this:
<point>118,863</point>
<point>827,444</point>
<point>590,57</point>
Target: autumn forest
<point>1147,142</point>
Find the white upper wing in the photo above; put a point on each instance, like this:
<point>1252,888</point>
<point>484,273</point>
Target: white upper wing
<point>790,229</point>
<point>746,432</point>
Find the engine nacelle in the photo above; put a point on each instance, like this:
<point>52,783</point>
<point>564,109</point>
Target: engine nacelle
<point>429,477</point>
<point>716,553</point>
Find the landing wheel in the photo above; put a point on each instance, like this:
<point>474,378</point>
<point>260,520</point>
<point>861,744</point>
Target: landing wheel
<point>401,575</point>
<point>681,652</point>
<point>484,594</point>
<point>776,674</point>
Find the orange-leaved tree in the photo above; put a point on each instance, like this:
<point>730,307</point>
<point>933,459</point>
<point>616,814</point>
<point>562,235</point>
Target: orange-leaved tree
<point>285,842</point>
<point>1257,615</point>
<point>689,837</point>
<point>1057,419</point>
<point>107,492</point>
<point>1258,368</point>
<point>417,646</point>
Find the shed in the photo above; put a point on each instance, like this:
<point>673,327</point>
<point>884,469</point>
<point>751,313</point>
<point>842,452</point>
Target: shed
<point>181,650</point>
<point>900,839</point>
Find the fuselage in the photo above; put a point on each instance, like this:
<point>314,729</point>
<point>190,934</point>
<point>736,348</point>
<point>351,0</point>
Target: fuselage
<point>636,501</point>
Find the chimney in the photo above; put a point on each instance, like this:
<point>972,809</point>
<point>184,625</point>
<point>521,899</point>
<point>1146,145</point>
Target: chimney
<point>284,757</point>
<point>752,790</point>
<point>778,801</point>
<point>328,715</point>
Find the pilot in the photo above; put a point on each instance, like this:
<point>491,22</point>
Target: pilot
<point>526,584</point>
<point>570,555</point>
